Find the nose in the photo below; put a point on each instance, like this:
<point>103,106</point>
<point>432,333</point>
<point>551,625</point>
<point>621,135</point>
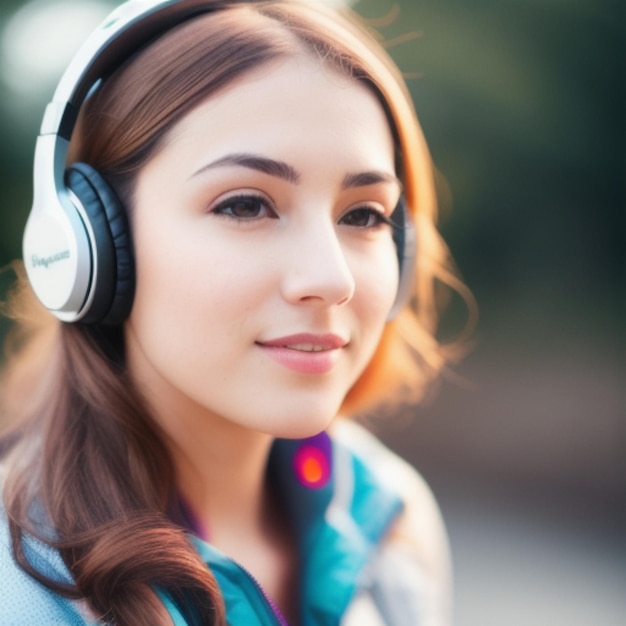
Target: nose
<point>317,271</point>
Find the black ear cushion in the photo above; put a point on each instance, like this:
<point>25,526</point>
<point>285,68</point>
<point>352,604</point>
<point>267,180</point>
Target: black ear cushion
<point>115,274</point>
<point>405,239</point>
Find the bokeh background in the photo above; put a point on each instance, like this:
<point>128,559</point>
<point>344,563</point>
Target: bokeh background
<point>523,104</point>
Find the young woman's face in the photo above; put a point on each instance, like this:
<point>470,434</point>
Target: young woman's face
<point>265,268</point>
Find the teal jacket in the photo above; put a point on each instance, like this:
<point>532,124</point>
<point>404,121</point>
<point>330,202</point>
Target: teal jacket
<point>341,510</point>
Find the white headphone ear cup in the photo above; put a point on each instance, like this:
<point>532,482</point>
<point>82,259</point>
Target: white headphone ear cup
<point>57,257</point>
<point>114,273</point>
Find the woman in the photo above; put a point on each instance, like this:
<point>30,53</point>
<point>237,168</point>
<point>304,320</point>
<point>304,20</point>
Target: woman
<point>180,458</point>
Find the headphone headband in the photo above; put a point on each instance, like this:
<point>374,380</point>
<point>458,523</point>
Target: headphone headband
<point>127,29</point>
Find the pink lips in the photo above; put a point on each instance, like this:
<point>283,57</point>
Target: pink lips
<point>305,353</point>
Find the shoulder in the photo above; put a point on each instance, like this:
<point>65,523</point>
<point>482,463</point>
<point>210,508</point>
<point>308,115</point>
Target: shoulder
<point>24,600</point>
<point>416,548</point>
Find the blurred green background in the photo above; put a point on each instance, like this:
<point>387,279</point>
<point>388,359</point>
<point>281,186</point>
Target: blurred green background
<point>523,104</point>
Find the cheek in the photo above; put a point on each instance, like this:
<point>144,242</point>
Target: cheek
<point>377,282</point>
<point>198,284</point>
<point>375,294</point>
<point>199,308</point>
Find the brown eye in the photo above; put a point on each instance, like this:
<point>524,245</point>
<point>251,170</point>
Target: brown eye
<point>364,217</point>
<point>244,208</point>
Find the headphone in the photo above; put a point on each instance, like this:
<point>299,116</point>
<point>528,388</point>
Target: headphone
<point>77,247</point>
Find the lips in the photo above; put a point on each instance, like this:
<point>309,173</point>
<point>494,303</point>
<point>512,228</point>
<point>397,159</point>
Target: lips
<point>305,353</point>
<point>307,342</point>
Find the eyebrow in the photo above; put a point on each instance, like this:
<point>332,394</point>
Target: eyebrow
<point>363,179</point>
<point>263,164</point>
<point>284,171</point>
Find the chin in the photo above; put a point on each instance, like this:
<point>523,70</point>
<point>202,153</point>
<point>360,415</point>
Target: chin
<point>302,424</point>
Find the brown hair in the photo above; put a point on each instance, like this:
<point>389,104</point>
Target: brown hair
<point>85,447</point>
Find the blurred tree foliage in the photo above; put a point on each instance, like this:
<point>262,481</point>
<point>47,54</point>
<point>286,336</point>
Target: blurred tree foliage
<point>523,105</point>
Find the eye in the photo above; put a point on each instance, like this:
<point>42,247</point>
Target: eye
<point>244,207</point>
<point>364,217</point>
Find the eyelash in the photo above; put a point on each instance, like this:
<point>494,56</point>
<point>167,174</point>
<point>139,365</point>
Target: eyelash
<point>379,217</point>
<point>225,209</point>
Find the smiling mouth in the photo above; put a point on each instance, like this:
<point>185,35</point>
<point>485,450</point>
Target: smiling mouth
<point>305,354</point>
<point>306,342</point>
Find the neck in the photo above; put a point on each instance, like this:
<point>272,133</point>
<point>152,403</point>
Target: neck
<point>221,477</point>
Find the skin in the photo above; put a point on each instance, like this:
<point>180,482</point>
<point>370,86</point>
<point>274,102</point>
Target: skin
<point>302,250</point>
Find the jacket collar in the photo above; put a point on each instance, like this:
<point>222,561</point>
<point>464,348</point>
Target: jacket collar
<point>340,512</point>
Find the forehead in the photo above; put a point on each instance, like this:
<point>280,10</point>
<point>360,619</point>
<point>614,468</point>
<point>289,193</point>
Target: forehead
<point>286,104</point>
